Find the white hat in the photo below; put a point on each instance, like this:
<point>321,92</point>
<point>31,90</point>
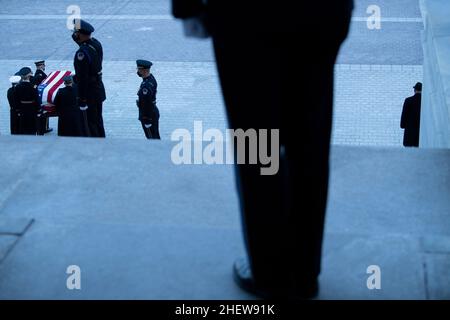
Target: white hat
<point>15,79</point>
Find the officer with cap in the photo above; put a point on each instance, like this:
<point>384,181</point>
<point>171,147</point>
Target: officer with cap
<point>148,112</point>
<point>39,75</point>
<point>70,118</point>
<point>88,78</point>
<point>13,105</point>
<point>37,79</point>
<point>28,102</point>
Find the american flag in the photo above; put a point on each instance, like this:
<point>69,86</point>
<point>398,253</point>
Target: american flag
<point>49,88</point>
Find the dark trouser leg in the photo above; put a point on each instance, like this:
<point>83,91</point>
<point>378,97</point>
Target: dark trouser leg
<point>40,124</point>
<point>14,122</point>
<point>101,128</point>
<point>100,120</point>
<point>252,101</point>
<point>92,118</point>
<point>146,126</point>
<point>155,128</point>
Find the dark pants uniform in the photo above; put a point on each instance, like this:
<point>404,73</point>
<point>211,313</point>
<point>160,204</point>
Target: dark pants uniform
<point>28,120</point>
<point>14,121</point>
<point>95,119</point>
<point>151,125</point>
<point>283,80</point>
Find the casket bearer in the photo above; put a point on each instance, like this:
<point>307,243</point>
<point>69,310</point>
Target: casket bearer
<point>39,77</point>
<point>70,118</point>
<point>13,105</point>
<point>28,102</point>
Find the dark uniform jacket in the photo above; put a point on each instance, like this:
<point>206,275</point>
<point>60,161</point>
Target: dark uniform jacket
<point>410,120</point>
<point>69,115</point>
<point>147,99</point>
<point>39,76</point>
<point>28,102</point>
<point>14,110</point>
<point>88,68</point>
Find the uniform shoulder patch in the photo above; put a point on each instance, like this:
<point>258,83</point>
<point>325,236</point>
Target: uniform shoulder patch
<point>144,91</point>
<point>80,55</point>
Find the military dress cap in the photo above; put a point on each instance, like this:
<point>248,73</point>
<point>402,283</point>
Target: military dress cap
<point>83,27</point>
<point>68,79</point>
<point>144,64</point>
<point>25,71</point>
<point>15,79</point>
<point>40,62</point>
<point>418,86</point>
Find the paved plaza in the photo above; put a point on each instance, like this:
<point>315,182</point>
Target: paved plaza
<point>375,71</point>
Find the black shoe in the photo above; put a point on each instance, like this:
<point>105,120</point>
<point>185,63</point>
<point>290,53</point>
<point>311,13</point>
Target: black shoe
<point>48,130</point>
<point>243,277</point>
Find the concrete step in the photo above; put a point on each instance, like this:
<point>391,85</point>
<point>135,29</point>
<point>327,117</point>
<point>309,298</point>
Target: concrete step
<point>141,227</point>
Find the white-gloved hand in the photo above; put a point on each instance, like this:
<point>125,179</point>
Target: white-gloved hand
<point>195,28</point>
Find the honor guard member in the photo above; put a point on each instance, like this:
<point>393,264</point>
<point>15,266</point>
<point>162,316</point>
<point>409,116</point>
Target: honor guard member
<point>39,77</point>
<point>148,112</point>
<point>88,78</point>
<point>70,122</point>
<point>13,105</point>
<point>28,102</point>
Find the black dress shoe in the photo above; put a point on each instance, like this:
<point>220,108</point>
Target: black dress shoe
<point>242,275</point>
<point>48,130</point>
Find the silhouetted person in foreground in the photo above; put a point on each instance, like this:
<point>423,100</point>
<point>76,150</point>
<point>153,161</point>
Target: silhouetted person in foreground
<point>410,120</point>
<point>275,63</point>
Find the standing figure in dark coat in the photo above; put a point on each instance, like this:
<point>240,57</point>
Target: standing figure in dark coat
<point>88,68</point>
<point>14,113</point>
<point>410,120</point>
<point>148,111</point>
<point>69,114</point>
<point>38,78</point>
<point>28,101</point>
<point>283,214</point>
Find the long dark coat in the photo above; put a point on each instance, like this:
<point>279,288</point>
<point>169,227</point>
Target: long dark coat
<point>410,120</point>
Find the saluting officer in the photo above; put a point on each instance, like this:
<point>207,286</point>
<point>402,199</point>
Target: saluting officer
<point>88,68</point>
<point>70,116</point>
<point>13,105</point>
<point>28,102</point>
<point>36,80</point>
<point>148,112</point>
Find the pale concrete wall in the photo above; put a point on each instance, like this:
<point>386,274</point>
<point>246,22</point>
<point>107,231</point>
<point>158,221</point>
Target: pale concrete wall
<point>435,117</point>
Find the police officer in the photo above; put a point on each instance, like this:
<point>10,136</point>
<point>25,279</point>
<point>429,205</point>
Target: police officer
<point>28,102</point>
<point>37,79</point>
<point>70,122</point>
<point>148,112</point>
<point>13,105</point>
<point>88,68</point>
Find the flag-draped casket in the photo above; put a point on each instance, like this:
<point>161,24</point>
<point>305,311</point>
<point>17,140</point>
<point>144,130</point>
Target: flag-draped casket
<point>49,88</point>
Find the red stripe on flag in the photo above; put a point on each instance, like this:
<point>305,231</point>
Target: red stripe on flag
<point>50,78</point>
<point>54,87</point>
